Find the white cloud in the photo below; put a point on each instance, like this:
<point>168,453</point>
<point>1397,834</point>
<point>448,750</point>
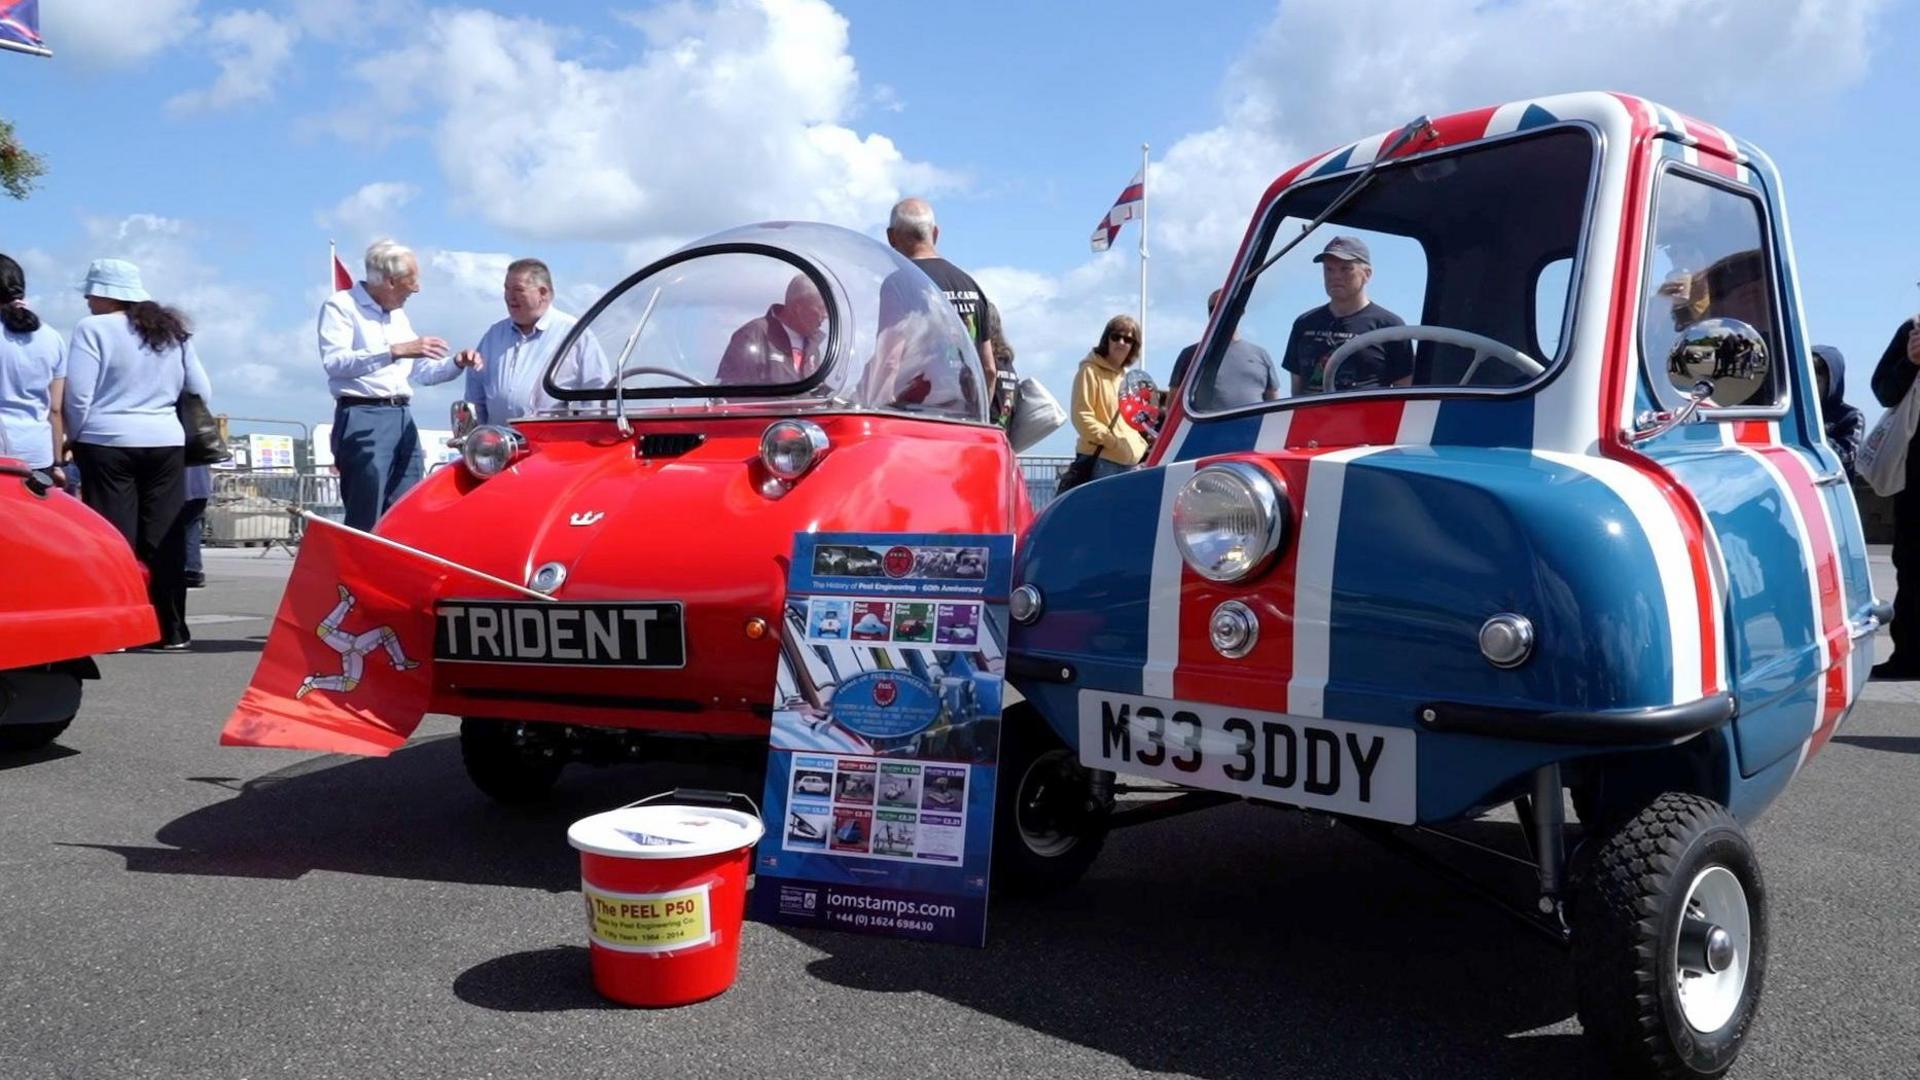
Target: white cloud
<point>369,213</point>
<point>730,112</point>
<point>251,48</point>
<point>114,33</point>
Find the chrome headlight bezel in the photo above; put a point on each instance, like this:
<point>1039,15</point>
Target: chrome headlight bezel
<point>1238,555</point>
<point>491,449</point>
<point>789,448</point>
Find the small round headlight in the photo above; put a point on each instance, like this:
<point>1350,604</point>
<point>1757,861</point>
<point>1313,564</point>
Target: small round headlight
<point>1506,640</point>
<point>1233,629</point>
<point>1228,519</point>
<point>489,449</point>
<point>790,447</point>
<point>1025,605</point>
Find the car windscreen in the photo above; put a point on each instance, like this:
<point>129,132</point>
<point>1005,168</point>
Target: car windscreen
<point>1480,243</point>
<point>807,315</point>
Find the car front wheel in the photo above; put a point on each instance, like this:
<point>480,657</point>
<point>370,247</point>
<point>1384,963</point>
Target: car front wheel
<point>1050,819</point>
<point>1670,940</point>
<point>507,760</point>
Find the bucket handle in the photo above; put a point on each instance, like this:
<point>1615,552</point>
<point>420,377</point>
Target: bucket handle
<point>703,797</point>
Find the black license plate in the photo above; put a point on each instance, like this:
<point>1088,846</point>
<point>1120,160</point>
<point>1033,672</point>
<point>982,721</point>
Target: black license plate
<point>622,633</point>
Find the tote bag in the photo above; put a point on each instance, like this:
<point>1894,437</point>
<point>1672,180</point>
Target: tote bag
<point>204,443</point>
<point>1882,459</point>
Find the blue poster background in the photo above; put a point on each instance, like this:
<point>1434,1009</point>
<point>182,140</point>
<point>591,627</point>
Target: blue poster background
<point>882,760</point>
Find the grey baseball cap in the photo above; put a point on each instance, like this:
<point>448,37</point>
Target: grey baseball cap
<point>1348,248</point>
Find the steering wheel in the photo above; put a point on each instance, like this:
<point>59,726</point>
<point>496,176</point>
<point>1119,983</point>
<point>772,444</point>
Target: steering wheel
<point>1484,349</point>
<point>668,372</point>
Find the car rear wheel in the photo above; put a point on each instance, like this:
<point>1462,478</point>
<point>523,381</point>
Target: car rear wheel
<point>1049,820</point>
<point>1670,940</point>
<point>507,759</point>
<point>36,706</point>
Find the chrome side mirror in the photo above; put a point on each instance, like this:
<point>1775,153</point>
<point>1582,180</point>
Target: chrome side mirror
<point>462,417</point>
<point>1727,354</point>
<point>1651,423</point>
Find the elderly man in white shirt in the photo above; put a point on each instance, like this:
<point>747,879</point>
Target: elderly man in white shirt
<point>505,373</point>
<point>370,351</point>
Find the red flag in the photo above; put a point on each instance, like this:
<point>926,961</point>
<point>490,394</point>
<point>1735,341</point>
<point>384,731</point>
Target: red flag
<point>345,669</point>
<point>342,277</point>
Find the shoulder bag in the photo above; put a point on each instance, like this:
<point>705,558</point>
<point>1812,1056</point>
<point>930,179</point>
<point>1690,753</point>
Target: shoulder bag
<point>205,443</point>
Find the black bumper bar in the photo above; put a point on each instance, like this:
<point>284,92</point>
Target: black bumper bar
<point>1605,727</point>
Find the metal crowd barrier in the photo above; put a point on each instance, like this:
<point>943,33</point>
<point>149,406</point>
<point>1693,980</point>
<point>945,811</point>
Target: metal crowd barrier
<point>1042,473</point>
<point>250,508</point>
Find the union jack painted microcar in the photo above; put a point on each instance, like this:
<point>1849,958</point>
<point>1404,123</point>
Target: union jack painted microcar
<point>73,591</point>
<point>773,379</point>
<point>1567,529</point>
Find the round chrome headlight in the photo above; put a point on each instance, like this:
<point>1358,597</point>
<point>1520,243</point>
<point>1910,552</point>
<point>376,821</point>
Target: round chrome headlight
<point>1506,640</point>
<point>790,447</point>
<point>489,449</point>
<point>1025,605</point>
<point>1228,520</point>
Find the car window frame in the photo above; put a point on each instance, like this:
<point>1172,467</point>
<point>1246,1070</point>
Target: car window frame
<point>1233,300</point>
<point>1665,394</point>
<point>830,354</point>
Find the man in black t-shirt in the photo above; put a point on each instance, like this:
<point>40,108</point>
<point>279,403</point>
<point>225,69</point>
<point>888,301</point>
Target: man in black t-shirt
<point>1346,267</point>
<point>912,232</point>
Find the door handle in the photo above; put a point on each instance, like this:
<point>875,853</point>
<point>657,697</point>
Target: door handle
<point>1837,476</point>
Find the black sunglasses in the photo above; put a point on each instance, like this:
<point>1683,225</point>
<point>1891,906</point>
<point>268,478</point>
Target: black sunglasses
<point>1120,336</point>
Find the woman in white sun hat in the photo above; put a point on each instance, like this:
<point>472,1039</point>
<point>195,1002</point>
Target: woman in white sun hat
<point>126,367</point>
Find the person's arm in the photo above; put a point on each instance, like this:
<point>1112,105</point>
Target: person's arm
<point>338,357</point>
<point>1893,375</point>
<point>196,380</point>
<point>433,367</point>
<point>56,404</point>
<point>985,349</point>
<point>83,378</point>
<point>1087,422</point>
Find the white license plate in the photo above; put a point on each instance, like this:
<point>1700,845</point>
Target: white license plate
<point>1359,769</point>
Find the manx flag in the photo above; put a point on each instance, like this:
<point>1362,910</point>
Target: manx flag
<point>1130,205</point>
<point>345,669</point>
<point>20,27</point>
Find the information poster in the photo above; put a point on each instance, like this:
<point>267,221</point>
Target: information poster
<point>270,451</point>
<point>886,735</point>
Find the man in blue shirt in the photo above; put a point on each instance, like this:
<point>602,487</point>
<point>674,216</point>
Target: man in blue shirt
<point>506,372</point>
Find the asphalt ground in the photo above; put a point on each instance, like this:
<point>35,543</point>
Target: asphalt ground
<point>169,908</point>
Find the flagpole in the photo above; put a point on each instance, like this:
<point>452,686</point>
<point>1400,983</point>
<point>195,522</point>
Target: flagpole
<point>30,50</point>
<point>312,518</point>
<point>1143,253</point>
<point>333,262</point>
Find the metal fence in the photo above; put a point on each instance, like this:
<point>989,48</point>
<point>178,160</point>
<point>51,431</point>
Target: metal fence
<point>248,508</point>
<point>251,508</point>
<point>1042,474</point>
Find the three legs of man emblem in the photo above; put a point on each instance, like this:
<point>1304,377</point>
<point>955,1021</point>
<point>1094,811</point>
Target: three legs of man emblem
<point>353,649</point>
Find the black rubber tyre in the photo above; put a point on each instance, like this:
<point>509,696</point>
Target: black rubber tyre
<point>499,765</point>
<point>1630,897</point>
<point>1049,823</point>
<point>18,737</point>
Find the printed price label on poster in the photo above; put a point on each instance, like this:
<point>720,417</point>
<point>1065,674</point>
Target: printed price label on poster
<point>886,735</point>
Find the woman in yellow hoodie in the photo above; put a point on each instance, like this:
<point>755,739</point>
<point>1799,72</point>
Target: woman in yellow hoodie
<point>1115,445</point>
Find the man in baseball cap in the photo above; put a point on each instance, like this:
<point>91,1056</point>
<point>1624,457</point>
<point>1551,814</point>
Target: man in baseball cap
<point>1346,266</point>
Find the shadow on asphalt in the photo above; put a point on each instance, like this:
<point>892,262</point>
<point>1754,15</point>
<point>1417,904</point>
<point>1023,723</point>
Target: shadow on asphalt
<point>1893,744</point>
<point>1243,943</point>
<point>226,645</point>
<point>412,815</point>
<point>14,759</point>
<point>538,980</point>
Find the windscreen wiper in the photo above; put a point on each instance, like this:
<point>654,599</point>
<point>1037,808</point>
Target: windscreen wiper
<point>1401,138</point>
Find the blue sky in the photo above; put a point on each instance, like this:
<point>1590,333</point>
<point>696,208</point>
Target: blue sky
<point>223,145</point>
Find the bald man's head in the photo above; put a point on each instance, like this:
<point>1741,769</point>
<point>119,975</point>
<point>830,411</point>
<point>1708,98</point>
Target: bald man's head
<point>804,309</point>
<point>911,229</point>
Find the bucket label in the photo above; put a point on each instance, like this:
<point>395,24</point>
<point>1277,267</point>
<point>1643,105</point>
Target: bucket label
<point>649,922</point>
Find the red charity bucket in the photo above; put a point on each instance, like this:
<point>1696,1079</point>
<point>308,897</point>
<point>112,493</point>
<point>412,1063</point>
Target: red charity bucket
<point>665,889</point>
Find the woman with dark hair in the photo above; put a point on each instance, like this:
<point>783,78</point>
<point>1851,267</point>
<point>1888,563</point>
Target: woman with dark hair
<point>129,362</point>
<point>33,379</point>
<point>1105,435</point>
